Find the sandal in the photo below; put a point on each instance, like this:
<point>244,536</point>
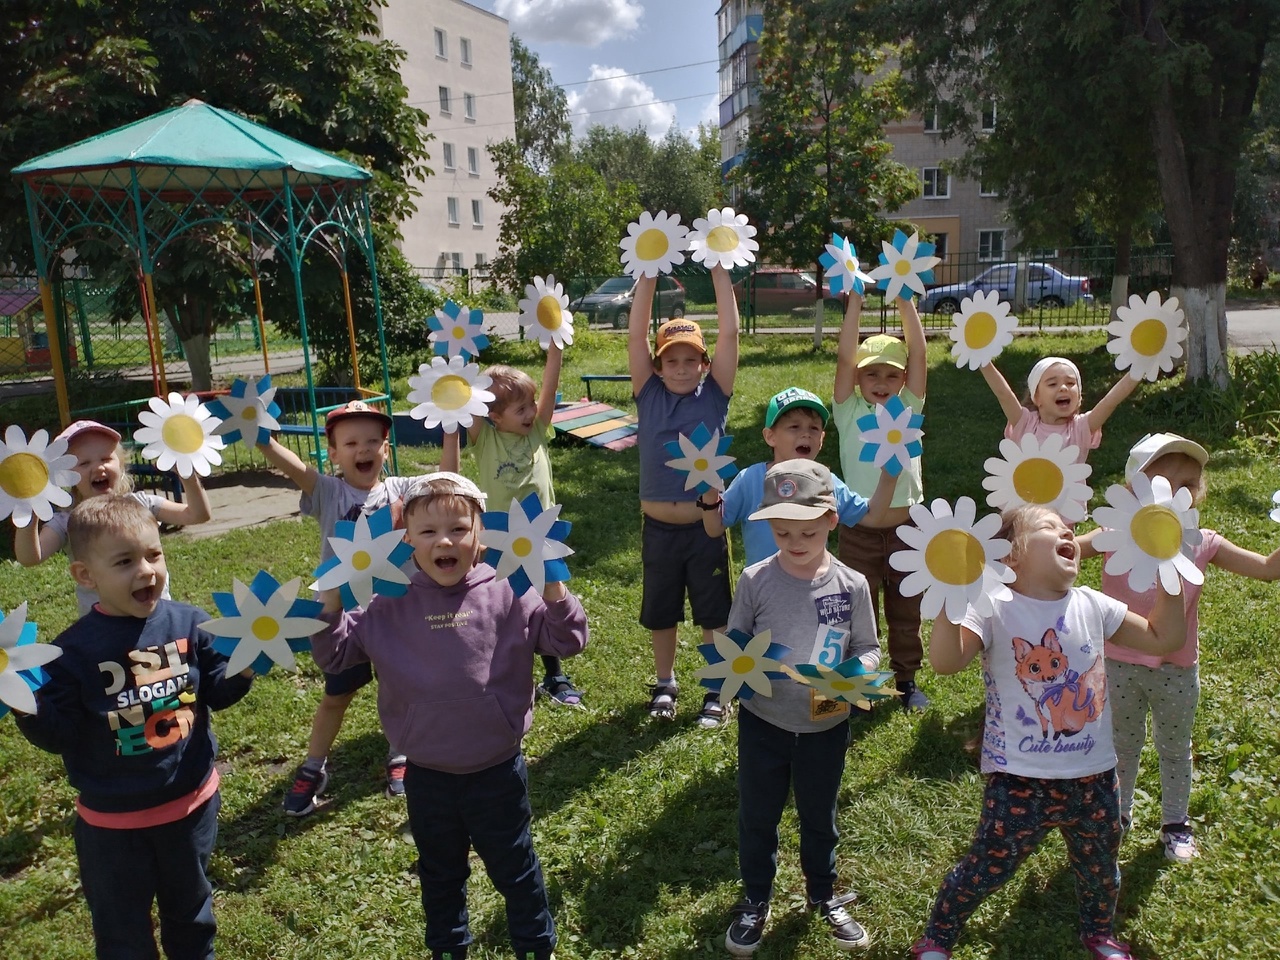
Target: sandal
<point>662,701</point>
<point>713,712</point>
<point>560,690</point>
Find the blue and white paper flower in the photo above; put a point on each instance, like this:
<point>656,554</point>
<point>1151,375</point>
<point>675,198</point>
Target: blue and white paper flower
<point>249,413</point>
<point>263,623</point>
<point>702,458</point>
<point>20,661</point>
<point>906,262</point>
<point>890,436</point>
<point>741,666</point>
<point>456,331</point>
<point>526,544</point>
<point>368,554</point>
<point>849,681</point>
<point>843,270</point>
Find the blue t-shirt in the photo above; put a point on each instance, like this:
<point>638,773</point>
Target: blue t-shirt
<point>663,417</point>
<point>743,499</point>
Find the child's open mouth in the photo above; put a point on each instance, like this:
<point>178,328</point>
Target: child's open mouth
<point>364,466</point>
<point>803,450</point>
<point>1067,550</point>
<point>145,595</point>
<point>101,485</point>
<point>446,564</point>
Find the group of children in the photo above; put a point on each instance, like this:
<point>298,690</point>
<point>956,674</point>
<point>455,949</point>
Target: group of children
<point>127,705</point>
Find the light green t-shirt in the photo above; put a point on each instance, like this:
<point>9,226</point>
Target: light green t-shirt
<point>862,477</point>
<point>513,466</point>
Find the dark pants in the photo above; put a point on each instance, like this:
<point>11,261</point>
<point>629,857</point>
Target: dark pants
<point>449,813</point>
<point>123,871</point>
<point>771,762</point>
<point>867,550</point>
<point>1017,813</point>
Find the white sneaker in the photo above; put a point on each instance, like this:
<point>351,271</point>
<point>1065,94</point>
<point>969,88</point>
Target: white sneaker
<point>1179,843</point>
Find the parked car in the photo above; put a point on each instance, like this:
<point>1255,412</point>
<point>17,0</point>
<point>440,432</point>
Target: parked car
<point>1046,287</point>
<point>611,301</point>
<point>780,290</point>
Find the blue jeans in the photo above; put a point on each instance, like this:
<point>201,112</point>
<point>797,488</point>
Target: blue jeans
<point>449,813</point>
<point>771,762</point>
<point>123,871</point>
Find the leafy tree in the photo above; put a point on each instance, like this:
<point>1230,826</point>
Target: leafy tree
<point>542,109</point>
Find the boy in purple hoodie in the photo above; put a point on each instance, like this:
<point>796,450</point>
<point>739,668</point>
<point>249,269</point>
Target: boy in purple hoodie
<point>455,694</point>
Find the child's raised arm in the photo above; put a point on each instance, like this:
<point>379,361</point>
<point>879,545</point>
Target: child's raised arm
<point>951,646</point>
<point>451,452</point>
<point>1165,631</point>
<point>287,462</point>
<point>1235,559</point>
<point>724,364</point>
<point>881,501</point>
<point>639,360</point>
<point>713,520</point>
<point>195,507</point>
<point>550,383</point>
<point>847,349</point>
<point>913,334</point>
<point>31,547</point>
<point>1107,405</point>
<point>1009,404</point>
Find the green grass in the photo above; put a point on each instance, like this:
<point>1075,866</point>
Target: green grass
<point>636,823</point>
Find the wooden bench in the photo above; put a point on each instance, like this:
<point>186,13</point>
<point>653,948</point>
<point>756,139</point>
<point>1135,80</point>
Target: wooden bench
<point>590,378</point>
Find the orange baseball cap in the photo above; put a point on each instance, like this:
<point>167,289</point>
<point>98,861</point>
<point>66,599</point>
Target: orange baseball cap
<point>680,331</point>
<point>356,408</point>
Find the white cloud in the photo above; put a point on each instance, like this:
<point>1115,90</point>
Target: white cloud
<point>614,99</point>
<point>588,23</point>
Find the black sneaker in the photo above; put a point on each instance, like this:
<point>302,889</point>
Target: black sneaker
<point>846,931</point>
<point>913,698</point>
<point>746,928</point>
<point>307,785</point>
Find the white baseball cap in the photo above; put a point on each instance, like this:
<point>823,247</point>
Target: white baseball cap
<point>1155,445</point>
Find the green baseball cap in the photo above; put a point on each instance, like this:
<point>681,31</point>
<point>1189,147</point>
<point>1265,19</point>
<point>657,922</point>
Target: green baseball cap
<point>794,397</point>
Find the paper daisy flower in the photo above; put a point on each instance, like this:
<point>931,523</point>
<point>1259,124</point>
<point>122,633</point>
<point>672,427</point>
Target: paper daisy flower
<point>544,313</point>
<point>702,458</point>
<point>1275,513</point>
<point>367,556</point>
<point>263,623</point>
<point>653,245</point>
<point>248,413</point>
<point>20,661</point>
<point>450,393</point>
<point>722,238</point>
<point>981,329</point>
<point>527,544</point>
<point>890,436</point>
<point>180,434</point>
<point>906,262</point>
<point>456,331</point>
<point>741,666</point>
<point>849,681</point>
<point>953,561</point>
<point>1045,473</point>
<point>1149,533</point>
<point>843,271</point>
<point>32,474</point>
<point>1148,336</point>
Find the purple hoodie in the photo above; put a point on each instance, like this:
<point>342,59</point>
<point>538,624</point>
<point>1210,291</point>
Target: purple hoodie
<point>455,681</point>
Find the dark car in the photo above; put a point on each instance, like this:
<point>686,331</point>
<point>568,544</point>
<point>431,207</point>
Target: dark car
<point>1046,287</point>
<point>611,301</point>
<point>780,290</point>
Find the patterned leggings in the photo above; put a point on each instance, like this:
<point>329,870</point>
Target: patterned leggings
<point>1017,813</point>
<point>1171,694</point>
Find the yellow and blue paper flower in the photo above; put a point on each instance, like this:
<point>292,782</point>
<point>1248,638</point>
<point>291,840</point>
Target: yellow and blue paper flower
<point>21,659</point>
<point>842,268</point>
<point>849,681</point>
<point>702,458</point>
<point>263,623</point>
<point>526,544</point>
<point>249,413</point>
<point>741,666</point>
<point>456,331</point>
<point>906,262</point>
<point>890,436</point>
<point>367,556</point>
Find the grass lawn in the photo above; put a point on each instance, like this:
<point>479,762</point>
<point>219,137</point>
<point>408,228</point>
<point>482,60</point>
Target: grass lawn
<point>635,821</point>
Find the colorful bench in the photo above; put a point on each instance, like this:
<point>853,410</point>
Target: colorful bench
<point>597,424</point>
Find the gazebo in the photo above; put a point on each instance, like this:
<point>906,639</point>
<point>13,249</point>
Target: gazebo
<point>147,182</point>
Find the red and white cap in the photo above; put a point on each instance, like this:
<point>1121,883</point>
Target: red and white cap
<point>86,426</point>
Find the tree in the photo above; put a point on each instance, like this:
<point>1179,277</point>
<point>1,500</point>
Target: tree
<point>677,174</point>
<point>542,110</point>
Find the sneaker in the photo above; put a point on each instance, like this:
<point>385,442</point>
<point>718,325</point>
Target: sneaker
<point>307,785</point>
<point>747,926</point>
<point>913,698</point>
<point>1107,948</point>
<point>395,776</point>
<point>1126,824</point>
<point>713,712</point>
<point>559,690</point>
<point>662,701</point>
<point>457,953</point>
<point>926,949</point>
<point>1179,843</point>
<point>847,932</point>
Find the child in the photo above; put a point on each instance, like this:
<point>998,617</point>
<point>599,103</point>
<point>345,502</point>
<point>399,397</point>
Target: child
<point>794,427</point>
<point>455,691</point>
<point>867,375</point>
<point>1170,685</point>
<point>511,453</point>
<point>795,739</point>
<point>1044,670</point>
<point>127,706</point>
<point>100,465</point>
<point>357,435</point>
<point>677,388</point>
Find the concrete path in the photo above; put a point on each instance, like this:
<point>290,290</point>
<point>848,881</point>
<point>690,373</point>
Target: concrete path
<point>1252,330</point>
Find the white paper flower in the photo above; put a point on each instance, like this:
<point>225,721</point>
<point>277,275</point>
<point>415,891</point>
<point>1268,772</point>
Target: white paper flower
<point>456,331</point>
<point>19,652</point>
<point>367,556</point>
<point>1046,474</point>
<point>906,262</point>
<point>449,393</point>
<point>722,237</point>
<point>953,561</point>
<point>180,434</point>
<point>981,329</point>
<point>248,413</point>
<point>1149,533</point>
<point>527,544</point>
<point>653,245</point>
<point>32,473</point>
<point>1275,513</point>
<point>741,666</point>
<point>843,271</point>
<point>702,457</point>
<point>263,623</point>
<point>1148,336</point>
<point>890,436</point>
<point>544,312</point>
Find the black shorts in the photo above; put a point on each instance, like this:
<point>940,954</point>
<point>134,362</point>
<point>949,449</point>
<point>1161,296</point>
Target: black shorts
<point>679,557</point>
<point>349,680</point>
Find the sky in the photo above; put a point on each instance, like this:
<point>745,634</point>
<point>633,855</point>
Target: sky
<point>624,62</point>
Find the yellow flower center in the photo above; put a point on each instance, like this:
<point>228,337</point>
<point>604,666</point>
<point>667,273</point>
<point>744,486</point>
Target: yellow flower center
<point>843,686</point>
<point>23,475</point>
<point>522,546</point>
<point>549,313</point>
<point>182,433</point>
<point>459,332</point>
<point>652,244</point>
<point>361,560</point>
<point>1038,480</point>
<point>451,392</point>
<point>902,267</point>
<point>850,265</point>
<point>722,239</point>
<point>1149,337</point>
<point>980,330</point>
<point>4,660</point>
<point>743,664</point>
<point>249,413</point>
<point>265,628</point>
<point>700,463</point>
<point>893,437</point>
<point>1157,531</point>
<point>954,557</point>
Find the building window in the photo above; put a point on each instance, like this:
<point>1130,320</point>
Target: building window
<point>937,183</point>
<point>988,115</point>
<point>464,51</point>
<point>469,105</point>
<point>940,246</point>
<point>473,161</point>
<point>453,211</point>
<point>986,190</point>
<point>442,45</point>
<point>482,261</point>
<point>444,101</point>
<point>477,219</point>
<point>990,244</point>
<point>447,149</point>
<point>931,120</point>
<point>453,260</point>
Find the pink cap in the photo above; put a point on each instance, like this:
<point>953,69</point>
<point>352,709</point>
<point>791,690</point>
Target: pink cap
<point>86,426</point>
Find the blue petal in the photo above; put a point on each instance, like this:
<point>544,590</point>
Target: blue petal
<point>710,653</point>
<point>226,604</point>
<point>263,586</point>
<point>324,568</point>
<point>555,571</point>
<point>701,436</point>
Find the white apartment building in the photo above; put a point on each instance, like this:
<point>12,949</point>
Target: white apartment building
<point>457,69</point>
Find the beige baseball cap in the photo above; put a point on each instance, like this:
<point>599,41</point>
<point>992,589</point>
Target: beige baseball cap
<point>796,490</point>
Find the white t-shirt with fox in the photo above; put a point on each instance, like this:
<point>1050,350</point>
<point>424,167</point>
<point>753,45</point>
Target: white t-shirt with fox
<point>1048,714</point>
